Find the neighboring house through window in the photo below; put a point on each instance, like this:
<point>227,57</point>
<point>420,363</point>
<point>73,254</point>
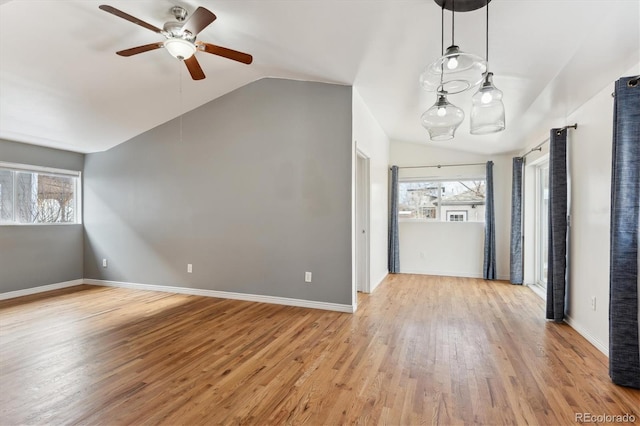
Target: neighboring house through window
<point>442,200</point>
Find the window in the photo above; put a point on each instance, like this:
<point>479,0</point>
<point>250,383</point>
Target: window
<point>37,195</point>
<point>428,212</point>
<point>456,216</point>
<point>542,223</point>
<point>442,200</point>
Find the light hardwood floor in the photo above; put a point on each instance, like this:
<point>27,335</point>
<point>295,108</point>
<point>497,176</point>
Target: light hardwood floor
<point>420,350</point>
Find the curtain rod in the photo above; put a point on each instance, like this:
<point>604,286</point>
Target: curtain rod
<point>572,126</point>
<point>442,165</point>
<point>539,146</point>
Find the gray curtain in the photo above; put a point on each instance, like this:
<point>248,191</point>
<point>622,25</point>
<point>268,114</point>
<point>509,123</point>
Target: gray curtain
<point>624,347</point>
<point>516,267</point>
<point>557,262</point>
<point>394,241</point>
<point>489,264</point>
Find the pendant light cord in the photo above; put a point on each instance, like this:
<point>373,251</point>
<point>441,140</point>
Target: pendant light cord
<point>453,22</point>
<point>487,38</point>
<point>441,45</point>
<point>442,30</point>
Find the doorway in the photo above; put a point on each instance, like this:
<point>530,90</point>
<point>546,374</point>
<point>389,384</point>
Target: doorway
<point>535,201</point>
<point>362,223</point>
<point>542,223</point>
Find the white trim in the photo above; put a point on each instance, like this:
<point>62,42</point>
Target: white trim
<point>538,290</point>
<point>418,220</point>
<point>379,281</point>
<point>588,336</point>
<point>456,274</point>
<point>354,261</point>
<point>41,289</point>
<point>5,223</point>
<point>366,257</point>
<point>39,169</point>
<point>327,306</point>
<point>443,178</point>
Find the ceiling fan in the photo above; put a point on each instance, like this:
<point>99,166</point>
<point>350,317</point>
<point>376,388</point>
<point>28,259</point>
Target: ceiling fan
<point>180,38</point>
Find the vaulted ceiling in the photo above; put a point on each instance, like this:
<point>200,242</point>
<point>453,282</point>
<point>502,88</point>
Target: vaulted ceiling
<point>63,86</point>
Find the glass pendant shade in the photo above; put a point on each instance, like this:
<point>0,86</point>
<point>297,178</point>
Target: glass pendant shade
<point>442,119</point>
<point>456,71</point>
<point>487,109</point>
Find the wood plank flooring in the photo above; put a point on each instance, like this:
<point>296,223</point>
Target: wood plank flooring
<point>420,350</point>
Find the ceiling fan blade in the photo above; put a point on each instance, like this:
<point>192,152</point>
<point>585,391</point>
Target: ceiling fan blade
<point>140,49</point>
<point>245,58</point>
<point>129,18</point>
<point>194,68</point>
<point>199,20</point>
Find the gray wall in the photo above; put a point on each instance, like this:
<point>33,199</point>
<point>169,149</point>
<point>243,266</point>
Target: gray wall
<point>35,255</point>
<point>255,192</point>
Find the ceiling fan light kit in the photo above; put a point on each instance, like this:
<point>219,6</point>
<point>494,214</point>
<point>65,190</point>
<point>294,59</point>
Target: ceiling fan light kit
<point>456,72</point>
<point>180,48</point>
<point>180,38</point>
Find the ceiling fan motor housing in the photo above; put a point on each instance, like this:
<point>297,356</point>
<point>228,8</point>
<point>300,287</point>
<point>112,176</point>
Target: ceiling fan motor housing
<point>174,30</point>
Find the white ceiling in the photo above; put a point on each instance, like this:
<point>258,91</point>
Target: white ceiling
<point>63,86</point>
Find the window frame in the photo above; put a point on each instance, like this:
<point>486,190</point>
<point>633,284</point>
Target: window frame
<point>541,214</point>
<point>49,171</point>
<point>440,209</point>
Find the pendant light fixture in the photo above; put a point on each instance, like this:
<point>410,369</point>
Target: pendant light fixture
<point>443,118</point>
<point>487,109</point>
<point>455,71</point>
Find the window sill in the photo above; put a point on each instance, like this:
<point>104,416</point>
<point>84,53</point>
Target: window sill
<point>435,221</point>
<point>36,224</point>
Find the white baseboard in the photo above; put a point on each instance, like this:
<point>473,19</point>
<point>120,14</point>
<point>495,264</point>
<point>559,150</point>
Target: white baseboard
<point>604,348</point>
<point>590,338</point>
<point>539,291</point>
<point>441,273</point>
<point>377,283</point>
<point>452,274</point>
<point>227,295</point>
<point>40,289</point>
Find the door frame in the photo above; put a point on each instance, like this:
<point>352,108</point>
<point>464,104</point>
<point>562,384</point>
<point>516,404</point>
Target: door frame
<point>363,224</point>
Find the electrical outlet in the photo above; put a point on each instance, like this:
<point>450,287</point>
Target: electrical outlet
<point>189,268</point>
<point>593,303</point>
<point>307,277</point>
<point>104,263</point>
